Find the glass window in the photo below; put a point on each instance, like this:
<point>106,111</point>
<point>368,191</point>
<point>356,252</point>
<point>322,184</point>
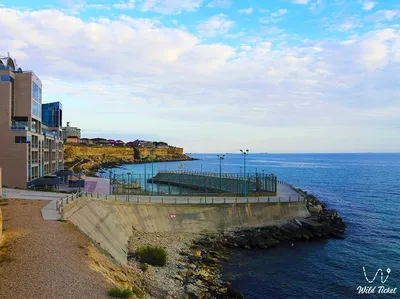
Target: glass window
<point>35,91</point>
<point>36,109</point>
<point>5,78</point>
<point>20,139</point>
<point>40,96</point>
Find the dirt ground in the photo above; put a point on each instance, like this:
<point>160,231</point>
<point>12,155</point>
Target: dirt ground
<point>44,259</point>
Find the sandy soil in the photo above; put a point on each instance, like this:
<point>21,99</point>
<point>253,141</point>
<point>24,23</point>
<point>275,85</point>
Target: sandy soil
<point>44,259</point>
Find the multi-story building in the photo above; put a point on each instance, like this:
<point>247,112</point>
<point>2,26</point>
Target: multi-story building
<point>69,131</point>
<point>29,149</point>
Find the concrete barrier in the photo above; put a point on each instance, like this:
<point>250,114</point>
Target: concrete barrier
<point>110,224</point>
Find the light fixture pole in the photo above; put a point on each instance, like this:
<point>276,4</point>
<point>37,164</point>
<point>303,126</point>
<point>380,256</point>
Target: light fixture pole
<point>245,153</point>
<point>129,180</point>
<point>110,171</point>
<point>220,157</point>
<point>152,171</point>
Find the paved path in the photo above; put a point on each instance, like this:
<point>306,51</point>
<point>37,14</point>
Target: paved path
<point>49,261</point>
<point>49,211</point>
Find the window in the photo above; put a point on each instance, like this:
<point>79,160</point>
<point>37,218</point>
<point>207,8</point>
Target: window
<point>6,78</point>
<point>36,109</point>
<point>35,91</point>
<point>20,139</point>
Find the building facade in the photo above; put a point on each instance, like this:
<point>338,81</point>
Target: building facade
<point>29,148</point>
<point>69,131</point>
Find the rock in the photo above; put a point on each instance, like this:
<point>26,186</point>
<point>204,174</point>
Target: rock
<point>197,253</point>
<point>178,277</point>
<point>231,293</point>
<point>192,266</point>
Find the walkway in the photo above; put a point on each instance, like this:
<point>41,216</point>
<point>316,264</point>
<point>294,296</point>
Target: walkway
<point>49,211</point>
<point>49,261</point>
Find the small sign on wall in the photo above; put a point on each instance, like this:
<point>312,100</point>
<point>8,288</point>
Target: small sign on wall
<point>172,216</point>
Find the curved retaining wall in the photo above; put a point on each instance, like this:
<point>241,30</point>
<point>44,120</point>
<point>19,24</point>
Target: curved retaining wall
<point>109,224</point>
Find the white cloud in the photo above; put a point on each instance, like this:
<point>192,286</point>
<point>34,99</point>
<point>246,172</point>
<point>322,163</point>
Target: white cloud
<point>247,11</point>
<point>215,25</point>
<point>129,71</point>
<point>125,5</point>
<point>346,25</point>
<point>383,15</point>
<point>367,4</point>
<point>301,1</point>
<point>171,6</point>
<point>273,17</point>
<point>219,4</point>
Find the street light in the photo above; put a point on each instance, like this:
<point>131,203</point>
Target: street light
<point>152,171</point>
<point>129,190</point>
<point>110,171</point>
<point>220,157</point>
<point>245,153</point>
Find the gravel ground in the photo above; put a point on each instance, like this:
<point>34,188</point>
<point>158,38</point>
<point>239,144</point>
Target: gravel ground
<point>48,260</point>
<point>160,281</point>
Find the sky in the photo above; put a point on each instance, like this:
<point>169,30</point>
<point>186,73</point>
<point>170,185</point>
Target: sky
<point>218,75</point>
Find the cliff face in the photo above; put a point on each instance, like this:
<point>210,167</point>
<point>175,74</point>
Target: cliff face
<point>159,153</point>
<point>110,156</point>
<point>96,157</point>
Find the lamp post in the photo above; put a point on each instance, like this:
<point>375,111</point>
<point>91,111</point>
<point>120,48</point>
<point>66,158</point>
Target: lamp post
<point>220,157</point>
<point>263,178</point>
<point>79,182</point>
<point>145,178</point>
<point>129,189</point>
<point>245,153</point>
<point>110,181</point>
<point>152,171</point>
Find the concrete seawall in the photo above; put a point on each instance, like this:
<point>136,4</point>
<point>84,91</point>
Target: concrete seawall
<point>109,224</point>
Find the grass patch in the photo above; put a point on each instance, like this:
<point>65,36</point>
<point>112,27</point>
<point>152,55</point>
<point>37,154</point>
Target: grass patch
<point>61,220</point>
<point>120,293</point>
<point>6,259</point>
<point>153,255</point>
<point>144,267</point>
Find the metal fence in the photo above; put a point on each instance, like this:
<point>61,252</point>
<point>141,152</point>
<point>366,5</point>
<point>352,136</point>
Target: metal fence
<point>189,182</point>
<point>176,200</point>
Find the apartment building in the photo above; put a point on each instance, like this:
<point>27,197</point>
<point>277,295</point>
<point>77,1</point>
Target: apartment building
<point>30,139</point>
<point>69,131</point>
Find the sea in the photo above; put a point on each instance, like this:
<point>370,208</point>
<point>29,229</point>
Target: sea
<point>363,188</point>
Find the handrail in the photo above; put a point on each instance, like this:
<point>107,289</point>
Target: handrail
<point>176,200</point>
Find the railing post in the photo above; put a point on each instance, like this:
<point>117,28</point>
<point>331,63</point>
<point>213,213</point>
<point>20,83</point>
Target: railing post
<point>279,199</point>
<point>268,199</point>
<point>175,200</point>
<point>289,198</point>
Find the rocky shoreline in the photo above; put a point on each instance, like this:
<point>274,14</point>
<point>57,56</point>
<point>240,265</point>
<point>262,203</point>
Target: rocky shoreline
<point>202,278</point>
<point>193,268</point>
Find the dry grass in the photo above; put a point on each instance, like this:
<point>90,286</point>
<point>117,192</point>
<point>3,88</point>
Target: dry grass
<point>8,238</point>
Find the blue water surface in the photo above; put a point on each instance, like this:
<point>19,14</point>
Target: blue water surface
<point>363,188</point>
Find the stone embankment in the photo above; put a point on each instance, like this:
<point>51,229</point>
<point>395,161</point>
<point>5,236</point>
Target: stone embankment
<point>201,277</point>
<point>93,158</point>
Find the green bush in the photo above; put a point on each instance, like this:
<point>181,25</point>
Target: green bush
<point>120,293</point>
<point>144,267</point>
<point>153,255</point>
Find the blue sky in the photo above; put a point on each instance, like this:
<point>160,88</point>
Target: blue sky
<point>219,75</point>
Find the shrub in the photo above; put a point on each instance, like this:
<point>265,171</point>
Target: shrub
<point>144,267</point>
<point>153,255</point>
<point>120,293</point>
